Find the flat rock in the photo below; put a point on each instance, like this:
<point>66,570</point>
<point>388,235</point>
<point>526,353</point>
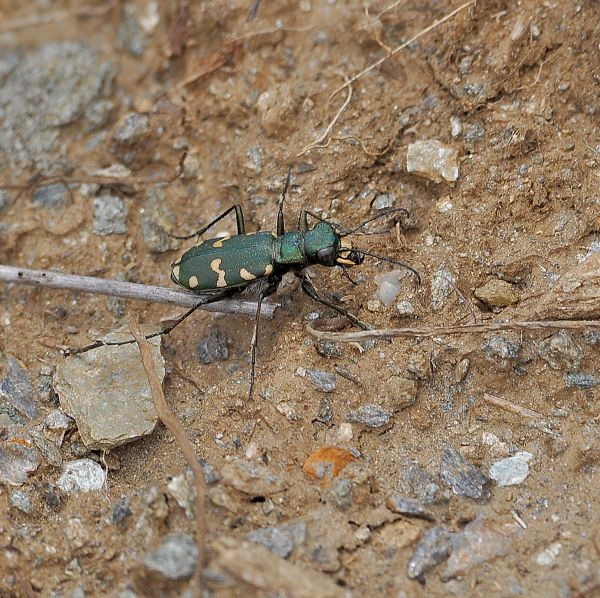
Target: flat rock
<point>262,570</point>
<point>280,539</point>
<point>512,470</point>
<point>433,160</point>
<point>17,389</point>
<point>19,458</point>
<point>106,391</point>
<point>433,548</point>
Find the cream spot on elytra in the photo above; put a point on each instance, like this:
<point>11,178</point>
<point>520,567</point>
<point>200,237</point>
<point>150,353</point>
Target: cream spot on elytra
<point>246,275</point>
<point>193,282</point>
<point>215,266</point>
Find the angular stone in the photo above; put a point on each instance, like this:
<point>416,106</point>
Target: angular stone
<point>107,392</point>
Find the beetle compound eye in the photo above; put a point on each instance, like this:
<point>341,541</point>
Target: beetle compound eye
<point>327,254</point>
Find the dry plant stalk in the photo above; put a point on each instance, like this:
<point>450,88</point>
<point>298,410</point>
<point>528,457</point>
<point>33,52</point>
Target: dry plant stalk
<point>511,407</point>
<point>429,331</point>
<point>172,423</point>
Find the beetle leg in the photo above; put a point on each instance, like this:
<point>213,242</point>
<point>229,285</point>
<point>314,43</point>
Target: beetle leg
<point>239,217</point>
<point>166,330</point>
<point>280,221</point>
<point>311,291</point>
<point>262,291</point>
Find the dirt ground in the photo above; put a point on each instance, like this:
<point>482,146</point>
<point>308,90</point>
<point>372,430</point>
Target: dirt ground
<point>514,88</point>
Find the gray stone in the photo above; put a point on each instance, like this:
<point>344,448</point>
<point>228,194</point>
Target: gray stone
<point>56,424</point>
<point>281,539</point>
<point>328,349</point>
<point>50,196</point>
<point>422,484</point>
<point>121,511</point>
<point>20,500</point>
<point>192,167</point>
<point>157,218</point>
<point>213,347</point>
<point>323,381</point>
<point>134,128</point>
<point>175,558</point>
<point>3,200</point>
<point>97,115</point>
<point>18,459</point>
<point>581,380</point>
<point>110,215</point>
<point>107,392</point>
<point>384,201</point>
<point>370,415</point>
<point>500,348</point>
<point>81,475</point>
<point>433,548</point>
<point>130,34</point>
<point>463,477</point>
<point>41,92</point>
<point>512,470</point>
<point>560,351</point>
<point>408,507</point>
<point>342,493</point>
<point>17,389</point>
<point>480,541</point>
<point>442,286</point>
<point>433,160</point>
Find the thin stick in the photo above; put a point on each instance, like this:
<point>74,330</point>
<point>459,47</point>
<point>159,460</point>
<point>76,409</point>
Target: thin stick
<point>387,333</point>
<point>129,290</point>
<point>512,407</point>
<point>172,423</point>
<point>397,49</point>
<point>54,17</point>
<point>317,142</point>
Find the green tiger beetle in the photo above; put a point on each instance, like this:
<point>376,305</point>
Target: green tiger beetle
<point>225,265</point>
<point>257,261</point>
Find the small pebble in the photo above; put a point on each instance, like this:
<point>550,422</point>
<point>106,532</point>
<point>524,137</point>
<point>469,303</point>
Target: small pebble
<point>110,215</point>
<point>512,470</point>
<point>251,478</point>
<point>344,433</point>
<point>389,285</point>
<point>547,558</point>
<point>560,351</point>
<point>50,196</point>
<point>323,381</point>
<point>384,201</point>
<point>405,308</point>
<point>581,380</point>
<point>81,475</point>
<point>213,347</point>
<point>281,539</point>
<point>433,160</point>
<point>130,34</point>
<point>328,349</point>
<point>121,512</point>
<point>17,389</point>
<point>401,391</point>
<point>3,200</point>
<point>433,548</point>
<point>192,167</point>
<point>408,507</point>
<point>497,293</point>
<point>456,126</point>
<point>20,500</point>
<point>422,484</point>
<point>157,220</point>
<point>133,129</point>
<point>463,477</point>
<point>175,558</point>
<point>370,415</point>
<point>500,347</point>
<point>442,286</point>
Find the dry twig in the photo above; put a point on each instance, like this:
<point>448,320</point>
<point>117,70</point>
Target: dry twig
<point>56,16</point>
<point>401,47</point>
<point>429,331</point>
<point>317,142</point>
<point>128,290</point>
<point>172,423</point>
<point>512,407</point>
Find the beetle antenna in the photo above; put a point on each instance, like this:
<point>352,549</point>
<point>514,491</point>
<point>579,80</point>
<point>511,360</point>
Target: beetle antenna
<point>280,220</point>
<point>377,217</point>
<point>389,260</point>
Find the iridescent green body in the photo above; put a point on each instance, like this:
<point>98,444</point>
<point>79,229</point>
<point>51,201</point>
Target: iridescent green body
<point>230,262</point>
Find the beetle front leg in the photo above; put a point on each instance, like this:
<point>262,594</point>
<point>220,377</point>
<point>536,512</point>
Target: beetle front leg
<point>311,291</point>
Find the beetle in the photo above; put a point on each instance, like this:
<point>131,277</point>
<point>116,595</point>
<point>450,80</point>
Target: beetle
<point>221,266</point>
